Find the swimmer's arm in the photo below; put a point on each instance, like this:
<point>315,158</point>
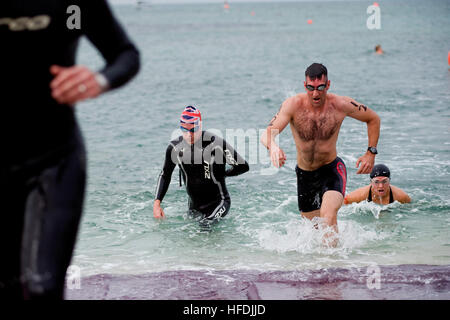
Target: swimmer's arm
<point>277,124</point>
<point>76,83</point>
<point>165,175</point>
<point>237,162</point>
<point>108,36</point>
<point>360,112</point>
<point>400,195</point>
<point>357,195</point>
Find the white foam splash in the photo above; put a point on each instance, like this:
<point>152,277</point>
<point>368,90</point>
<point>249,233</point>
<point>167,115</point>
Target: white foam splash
<point>364,207</point>
<point>301,236</point>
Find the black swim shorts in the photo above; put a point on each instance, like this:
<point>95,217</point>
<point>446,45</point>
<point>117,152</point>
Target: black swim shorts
<point>311,185</point>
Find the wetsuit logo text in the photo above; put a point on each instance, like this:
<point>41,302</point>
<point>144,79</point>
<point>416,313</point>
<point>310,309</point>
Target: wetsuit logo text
<point>230,158</point>
<point>207,171</point>
<point>26,23</point>
<point>220,212</point>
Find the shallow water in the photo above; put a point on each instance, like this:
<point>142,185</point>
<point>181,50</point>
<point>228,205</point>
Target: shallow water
<point>238,68</point>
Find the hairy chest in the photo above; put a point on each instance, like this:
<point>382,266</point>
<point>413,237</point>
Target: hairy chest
<point>312,126</point>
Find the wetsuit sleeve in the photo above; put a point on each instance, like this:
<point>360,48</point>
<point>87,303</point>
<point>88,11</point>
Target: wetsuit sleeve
<point>238,164</point>
<point>166,175</point>
<point>105,32</point>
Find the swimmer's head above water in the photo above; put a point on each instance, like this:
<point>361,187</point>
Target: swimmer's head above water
<point>316,84</point>
<point>380,170</point>
<point>378,49</point>
<point>191,124</point>
<point>380,180</point>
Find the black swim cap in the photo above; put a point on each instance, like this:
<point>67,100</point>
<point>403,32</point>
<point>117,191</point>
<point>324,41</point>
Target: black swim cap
<point>380,170</point>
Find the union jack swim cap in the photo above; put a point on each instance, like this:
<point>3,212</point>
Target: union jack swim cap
<point>191,115</point>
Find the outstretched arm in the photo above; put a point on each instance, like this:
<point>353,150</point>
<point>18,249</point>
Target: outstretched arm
<point>362,113</point>
<point>275,127</point>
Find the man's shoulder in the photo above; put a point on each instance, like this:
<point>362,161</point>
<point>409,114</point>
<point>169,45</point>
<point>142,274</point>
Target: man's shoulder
<point>294,102</point>
<point>210,137</point>
<point>335,98</point>
<point>299,98</point>
<point>173,143</point>
<point>340,103</point>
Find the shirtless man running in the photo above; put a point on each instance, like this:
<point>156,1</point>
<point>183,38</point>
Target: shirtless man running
<point>315,118</point>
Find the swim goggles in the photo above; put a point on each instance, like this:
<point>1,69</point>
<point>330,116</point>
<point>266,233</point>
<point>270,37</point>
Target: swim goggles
<point>319,88</point>
<point>193,129</point>
<point>383,182</point>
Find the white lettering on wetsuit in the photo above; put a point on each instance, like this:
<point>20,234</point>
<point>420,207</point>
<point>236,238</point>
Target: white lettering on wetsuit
<point>207,171</point>
<point>26,23</point>
<point>230,157</point>
<point>220,212</point>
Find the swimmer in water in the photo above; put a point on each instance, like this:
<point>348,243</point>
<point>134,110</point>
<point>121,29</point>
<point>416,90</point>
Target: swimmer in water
<point>378,49</point>
<point>43,163</point>
<point>379,190</point>
<point>201,157</point>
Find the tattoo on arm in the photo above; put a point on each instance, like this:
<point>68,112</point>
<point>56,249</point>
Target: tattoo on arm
<point>275,117</point>
<point>359,106</point>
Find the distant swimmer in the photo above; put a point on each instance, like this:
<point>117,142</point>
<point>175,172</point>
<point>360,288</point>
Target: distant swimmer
<point>315,118</point>
<point>379,190</point>
<point>202,158</point>
<point>378,49</point>
<point>43,163</point>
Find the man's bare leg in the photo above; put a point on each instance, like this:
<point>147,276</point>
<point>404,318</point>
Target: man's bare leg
<point>331,203</point>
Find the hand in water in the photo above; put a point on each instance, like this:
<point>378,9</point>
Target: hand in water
<point>205,225</point>
<point>158,212</point>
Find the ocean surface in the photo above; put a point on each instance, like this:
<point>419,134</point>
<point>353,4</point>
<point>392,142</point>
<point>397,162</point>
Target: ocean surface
<point>237,66</point>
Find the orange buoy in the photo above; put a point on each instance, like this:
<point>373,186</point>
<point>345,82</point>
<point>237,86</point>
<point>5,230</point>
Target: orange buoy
<point>309,21</point>
<point>448,58</point>
<point>376,4</point>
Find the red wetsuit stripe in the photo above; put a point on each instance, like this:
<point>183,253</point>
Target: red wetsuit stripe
<point>342,171</point>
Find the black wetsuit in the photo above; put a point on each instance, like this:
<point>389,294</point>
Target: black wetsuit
<point>391,196</point>
<point>203,168</point>
<point>43,168</point>
<point>311,185</point>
